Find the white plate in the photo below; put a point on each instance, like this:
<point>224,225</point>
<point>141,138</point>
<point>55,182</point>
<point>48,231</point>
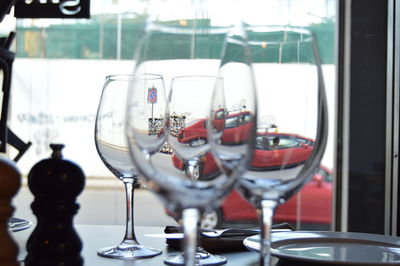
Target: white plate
<point>332,247</point>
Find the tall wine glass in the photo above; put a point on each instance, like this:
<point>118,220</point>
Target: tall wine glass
<point>292,120</point>
<point>196,104</point>
<point>113,150</point>
<point>189,142</point>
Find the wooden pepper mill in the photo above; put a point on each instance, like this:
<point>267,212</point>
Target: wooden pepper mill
<point>10,182</point>
<point>55,184</point>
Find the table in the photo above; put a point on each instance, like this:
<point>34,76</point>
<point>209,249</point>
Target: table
<point>97,236</point>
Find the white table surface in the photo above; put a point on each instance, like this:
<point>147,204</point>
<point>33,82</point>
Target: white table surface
<point>97,236</point>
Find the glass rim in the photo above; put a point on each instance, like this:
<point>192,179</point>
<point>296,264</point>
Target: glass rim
<point>304,36</point>
<point>130,77</point>
<point>175,29</point>
<point>188,77</point>
<point>148,76</point>
<point>119,77</point>
<point>274,28</point>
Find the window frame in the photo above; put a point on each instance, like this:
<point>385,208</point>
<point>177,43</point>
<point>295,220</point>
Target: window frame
<point>366,185</point>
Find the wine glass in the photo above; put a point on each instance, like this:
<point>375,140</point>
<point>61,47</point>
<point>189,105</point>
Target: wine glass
<point>292,120</point>
<point>196,105</point>
<point>189,142</point>
<point>113,150</point>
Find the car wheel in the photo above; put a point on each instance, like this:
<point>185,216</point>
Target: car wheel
<point>211,219</point>
<point>197,142</point>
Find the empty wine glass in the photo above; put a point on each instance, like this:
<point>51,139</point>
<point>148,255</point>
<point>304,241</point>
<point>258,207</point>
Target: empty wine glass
<point>196,104</point>
<point>113,150</point>
<point>190,145</point>
<point>292,120</point>
<point>183,41</point>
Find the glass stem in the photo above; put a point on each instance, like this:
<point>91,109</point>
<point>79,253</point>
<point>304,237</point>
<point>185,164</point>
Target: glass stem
<point>190,218</point>
<point>267,212</point>
<point>130,237</point>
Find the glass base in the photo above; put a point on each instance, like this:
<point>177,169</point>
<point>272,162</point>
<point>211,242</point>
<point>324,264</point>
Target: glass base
<point>202,258</point>
<point>125,251</point>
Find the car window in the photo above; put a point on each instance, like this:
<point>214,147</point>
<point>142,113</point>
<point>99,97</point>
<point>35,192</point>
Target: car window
<point>274,142</point>
<point>237,120</point>
<point>305,141</point>
<point>287,142</point>
<point>231,122</point>
<point>246,118</point>
<point>259,145</point>
<point>267,142</point>
<point>220,114</point>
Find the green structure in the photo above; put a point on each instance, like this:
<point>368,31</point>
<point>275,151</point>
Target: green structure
<point>113,37</point>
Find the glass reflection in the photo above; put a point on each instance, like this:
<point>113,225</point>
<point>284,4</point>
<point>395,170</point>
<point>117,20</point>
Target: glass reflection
<point>292,120</point>
<point>191,65</point>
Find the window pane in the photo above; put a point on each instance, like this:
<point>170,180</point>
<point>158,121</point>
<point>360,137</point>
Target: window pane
<point>60,69</point>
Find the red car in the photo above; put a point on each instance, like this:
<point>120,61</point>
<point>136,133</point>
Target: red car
<point>311,207</point>
<point>233,124</point>
<point>272,150</point>
<point>206,169</point>
<point>277,150</point>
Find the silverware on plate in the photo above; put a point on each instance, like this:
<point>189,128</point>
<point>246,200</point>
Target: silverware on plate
<point>218,233</point>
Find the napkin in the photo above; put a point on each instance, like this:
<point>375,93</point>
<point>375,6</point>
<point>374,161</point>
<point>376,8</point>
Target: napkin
<point>225,243</point>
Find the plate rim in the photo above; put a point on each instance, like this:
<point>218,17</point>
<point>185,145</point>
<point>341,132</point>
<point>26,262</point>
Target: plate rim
<point>395,241</point>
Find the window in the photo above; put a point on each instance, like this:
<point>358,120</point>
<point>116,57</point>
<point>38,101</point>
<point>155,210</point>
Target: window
<point>61,65</point>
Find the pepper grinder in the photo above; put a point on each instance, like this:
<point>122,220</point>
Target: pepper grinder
<point>10,182</point>
<point>55,184</point>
